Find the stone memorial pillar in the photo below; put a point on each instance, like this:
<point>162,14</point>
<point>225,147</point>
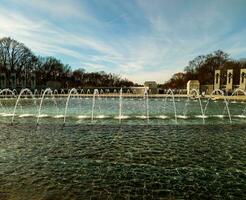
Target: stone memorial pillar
<point>2,80</point>
<point>217,79</point>
<point>193,85</point>
<point>242,84</point>
<point>229,80</point>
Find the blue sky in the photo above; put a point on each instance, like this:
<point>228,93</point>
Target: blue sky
<point>138,39</point>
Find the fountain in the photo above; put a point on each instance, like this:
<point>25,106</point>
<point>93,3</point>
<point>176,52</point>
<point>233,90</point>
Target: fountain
<point>194,94</point>
<point>62,91</point>
<point>42,91</point>
<point>55,92</point>
<point>236,91</point>
<point>107,91</point>
<point>168,93</point>
<point>15,92</point>
<point>147,150</point>
<point>179,99</point>
<point>35,92</point>
<point>166,108</point>
<point>120,105</point>
<point>96,93</point>
<point>23,91</point>
<point>80,154</point>
<point>146,103</point>
<point>7,92</point>
<point>235,101</point>
<point>72,91</point>
<point>47,91</point>
<point>225,101</point>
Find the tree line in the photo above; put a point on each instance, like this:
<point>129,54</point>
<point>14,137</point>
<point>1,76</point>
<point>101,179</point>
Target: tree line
<point>202,68</point>
<point>15,57</point>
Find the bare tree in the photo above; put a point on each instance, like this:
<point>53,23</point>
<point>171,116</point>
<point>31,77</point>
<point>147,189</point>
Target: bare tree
<point>15,56</point>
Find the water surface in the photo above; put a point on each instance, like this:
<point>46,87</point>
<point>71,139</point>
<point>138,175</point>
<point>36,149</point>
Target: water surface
<point>122,161</point>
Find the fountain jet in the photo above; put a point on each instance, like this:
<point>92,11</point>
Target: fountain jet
<point>225,101</point>
<point>47,91</point>
<point>170,92</point>
<point>72,91</point>
<point>96,93</point>
<point>23,91</point>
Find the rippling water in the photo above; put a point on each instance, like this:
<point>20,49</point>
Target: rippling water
<point>52,162</point>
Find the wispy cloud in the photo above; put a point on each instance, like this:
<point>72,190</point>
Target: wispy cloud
<point>139,39</point>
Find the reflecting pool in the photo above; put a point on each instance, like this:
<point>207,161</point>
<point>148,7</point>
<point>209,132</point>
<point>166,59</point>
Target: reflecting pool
<point>121,161</point>
<point>121,147</point>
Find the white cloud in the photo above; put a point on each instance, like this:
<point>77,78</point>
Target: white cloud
<point>54,8</point>
<point>166,46</point>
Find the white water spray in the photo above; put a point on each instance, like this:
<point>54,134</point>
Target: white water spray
<point>170,92</point>
<point>72,91</point>
<point>96,93</point>
<point>23,91</point>
<point>225,101</point>
<point>47,91</point>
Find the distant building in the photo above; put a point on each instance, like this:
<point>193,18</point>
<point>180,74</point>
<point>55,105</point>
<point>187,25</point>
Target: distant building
<point>192,85</point>
<point>228,87</point>
<point>152,85</point>
<point>242,84</point>
<point>138,90</point>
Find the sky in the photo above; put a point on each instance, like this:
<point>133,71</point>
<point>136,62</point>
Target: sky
<point>137,39</point>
